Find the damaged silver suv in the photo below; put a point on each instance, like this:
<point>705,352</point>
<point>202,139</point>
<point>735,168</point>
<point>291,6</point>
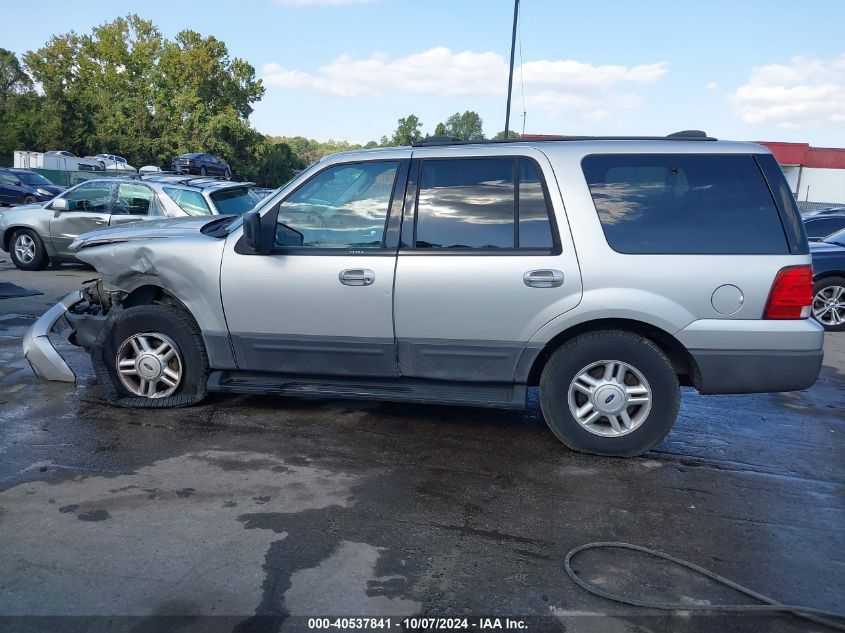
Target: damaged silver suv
<point>606,271</point>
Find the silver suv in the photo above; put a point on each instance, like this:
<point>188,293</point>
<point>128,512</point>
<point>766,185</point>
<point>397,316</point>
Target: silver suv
<point>36,234</point>
<point>605,271</point>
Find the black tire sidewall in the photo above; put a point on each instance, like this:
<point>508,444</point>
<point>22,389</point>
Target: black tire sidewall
<point>823,283</point>
<point>638,352</point>
<point>171,322</point>
<point>30,200</point>
<point>39,262</point>
<point>203,171</point>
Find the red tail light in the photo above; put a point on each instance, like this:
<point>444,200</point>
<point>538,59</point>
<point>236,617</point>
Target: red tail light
<point>792,294</point>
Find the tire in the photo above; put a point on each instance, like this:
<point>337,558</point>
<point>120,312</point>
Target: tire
<point>829,303</point>
<point>227,174</point>
<point>649,419</point>
<point>27,250</point>
<point>203,171</point>
<point>156,324</point>
<point>29,200</point>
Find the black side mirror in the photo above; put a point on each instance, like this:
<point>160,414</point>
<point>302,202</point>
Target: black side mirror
<point>252,232</point>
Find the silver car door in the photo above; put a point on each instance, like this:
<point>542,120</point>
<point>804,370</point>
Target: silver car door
<point>89,208</point>
<point>486,260</point>
<point>325,306</point>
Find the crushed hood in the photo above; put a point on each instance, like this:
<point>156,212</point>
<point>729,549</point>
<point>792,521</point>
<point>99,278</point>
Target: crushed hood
<point>143,230</point>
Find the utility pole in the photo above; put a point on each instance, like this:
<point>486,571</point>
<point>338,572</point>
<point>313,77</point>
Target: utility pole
<point>510,74</point>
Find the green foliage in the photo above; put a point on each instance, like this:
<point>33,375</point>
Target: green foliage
<point>466,126</point>
<point>501,135</point>
<point>126,89</point>
<point>13,78</point>
<point>408,130</point>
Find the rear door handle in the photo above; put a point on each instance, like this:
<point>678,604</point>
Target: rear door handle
<point>357,277</point>
<point>98,221</point>
<point>543,278</point>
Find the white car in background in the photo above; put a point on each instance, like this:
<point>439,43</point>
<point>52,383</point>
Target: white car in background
<point>114,162</point>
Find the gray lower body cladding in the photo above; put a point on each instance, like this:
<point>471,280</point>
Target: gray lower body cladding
<point>732,371</point>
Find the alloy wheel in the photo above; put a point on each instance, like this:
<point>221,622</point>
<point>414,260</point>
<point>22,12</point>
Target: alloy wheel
<point>829,305</point>
<point>25,248</point>
<point>149,365</point>
<point>609,398</point>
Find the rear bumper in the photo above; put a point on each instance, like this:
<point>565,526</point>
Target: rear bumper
<point>731,371</point>
<point>750,356</point>
<point>37,348</point>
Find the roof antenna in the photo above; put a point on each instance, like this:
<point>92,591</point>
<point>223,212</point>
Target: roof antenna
<point>510,74</point>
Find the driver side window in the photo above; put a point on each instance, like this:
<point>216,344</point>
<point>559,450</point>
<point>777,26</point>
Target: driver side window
<point>93,197</point>
<point>344,206</point>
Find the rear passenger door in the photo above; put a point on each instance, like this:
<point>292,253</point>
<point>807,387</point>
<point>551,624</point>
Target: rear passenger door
<point>486,259</point>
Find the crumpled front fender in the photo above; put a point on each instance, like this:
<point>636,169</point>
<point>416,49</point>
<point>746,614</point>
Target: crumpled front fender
<point>45,361</point>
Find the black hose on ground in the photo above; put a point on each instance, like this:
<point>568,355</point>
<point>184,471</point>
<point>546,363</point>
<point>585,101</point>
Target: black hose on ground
<point>770,606</point>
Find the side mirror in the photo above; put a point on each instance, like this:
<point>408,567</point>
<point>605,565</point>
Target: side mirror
<point>60,204</point>
<point>255,237</point>
<point>18,183</point>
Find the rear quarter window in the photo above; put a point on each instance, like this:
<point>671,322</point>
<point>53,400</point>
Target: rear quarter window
<point>705,204</point>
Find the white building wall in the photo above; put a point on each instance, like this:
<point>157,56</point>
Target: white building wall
<point>817,185</point>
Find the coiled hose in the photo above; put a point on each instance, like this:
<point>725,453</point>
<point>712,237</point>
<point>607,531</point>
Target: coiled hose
<point>819,616</point>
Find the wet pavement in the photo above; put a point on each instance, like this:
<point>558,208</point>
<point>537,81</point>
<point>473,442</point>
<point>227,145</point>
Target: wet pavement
<point>257,511</point>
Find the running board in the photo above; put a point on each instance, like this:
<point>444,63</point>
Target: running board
<point>498,395</point>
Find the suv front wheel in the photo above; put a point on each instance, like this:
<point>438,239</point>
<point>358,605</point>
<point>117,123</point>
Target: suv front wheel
<point>151,356</point>
<point>609,392</point>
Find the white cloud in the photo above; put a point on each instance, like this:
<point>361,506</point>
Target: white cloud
<point>311,3</point>
<point>554,86</point>
<point>803,93</point>
<point>712,86</point>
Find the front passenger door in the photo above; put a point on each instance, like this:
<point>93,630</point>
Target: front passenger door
<point>89,208</point>
<point>134,202</point>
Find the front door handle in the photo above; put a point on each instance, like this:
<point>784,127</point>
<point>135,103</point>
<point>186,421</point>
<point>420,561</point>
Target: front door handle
<point>543,278</point>
<point>357,277</point>
<point>98,221</point>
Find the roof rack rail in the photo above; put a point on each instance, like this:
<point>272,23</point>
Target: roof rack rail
<point>442,139</point>
<point>685,135</point>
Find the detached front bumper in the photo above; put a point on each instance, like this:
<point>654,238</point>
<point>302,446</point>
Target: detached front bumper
<point>37,348</point>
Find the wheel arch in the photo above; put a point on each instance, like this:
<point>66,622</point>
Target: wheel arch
<point>829,273</point>
<point>682,361</point>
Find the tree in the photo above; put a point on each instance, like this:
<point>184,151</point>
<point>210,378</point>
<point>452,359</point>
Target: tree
<point>466,126</point>
<point>13,78</point>
<point>126,89</point>
<point>408,131</point>
<point>500,136</point>
<point>278,165</point>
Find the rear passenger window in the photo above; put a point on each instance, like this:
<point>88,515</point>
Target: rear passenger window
<point>482,203</point>
<point>684,203</point>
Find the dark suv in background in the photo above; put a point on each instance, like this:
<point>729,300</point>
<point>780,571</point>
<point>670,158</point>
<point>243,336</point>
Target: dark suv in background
<point>202,164</point>
<point>21,186</point>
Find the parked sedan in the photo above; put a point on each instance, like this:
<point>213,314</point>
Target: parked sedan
<point>21,186</point>
<point>829,281</point>
<point>37,234</point>
<point>203,164</point>
<point>819,227</point>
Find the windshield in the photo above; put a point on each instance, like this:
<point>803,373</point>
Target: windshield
<point>837,238</point>
<point>32,178</point>
<point>234,201</point>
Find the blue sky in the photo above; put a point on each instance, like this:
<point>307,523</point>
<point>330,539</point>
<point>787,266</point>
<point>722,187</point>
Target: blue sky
<point>347,69</point>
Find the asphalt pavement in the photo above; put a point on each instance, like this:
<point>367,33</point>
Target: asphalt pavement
<point>253,513</point>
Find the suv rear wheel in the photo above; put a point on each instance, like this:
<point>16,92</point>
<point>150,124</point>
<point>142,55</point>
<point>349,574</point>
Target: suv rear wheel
<point>609,392</point>
<point>151,356</point>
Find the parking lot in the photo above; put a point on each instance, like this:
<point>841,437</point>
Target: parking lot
<point>264,509</point>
